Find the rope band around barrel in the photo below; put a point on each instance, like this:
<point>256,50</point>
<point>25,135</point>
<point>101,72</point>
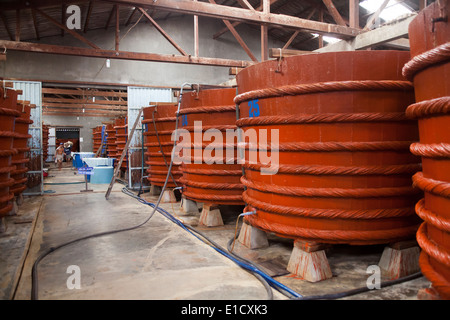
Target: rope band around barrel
<point>208,109</point>
<point>406,169</point>
<point>362,237</point>
<point>432,218</point>
<point>426,108</point>
<point>329,213</point>
<point>332,146</point>
<point>426,59</point>
<point>322,118</point>
<point>322,87</point>
<point>330,192</point>
<point>436,187</point>
<point>211,185</point>
<point>433,249</point>
<point>214,198</point>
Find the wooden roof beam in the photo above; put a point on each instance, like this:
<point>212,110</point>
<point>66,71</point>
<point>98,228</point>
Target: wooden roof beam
<point>82,92</point>
<point>375,16</point>
<point>120,55</point>
<point>334,12</point>
<point>88,16</point>
<point>164,34</point>
<point>2,16</point>
<point>238,37</point>
<point>243,15</point>
<point>110,17</point>
<point>83,106</point>
<point>236,23</point>
<point>295,34</point>
<point>87,101</point>
<point>131,16</point>
<point>36,31</point>
<point>72,32</point>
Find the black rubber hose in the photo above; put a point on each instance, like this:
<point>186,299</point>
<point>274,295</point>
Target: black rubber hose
<point>353,292</point>
<point>212,243</point>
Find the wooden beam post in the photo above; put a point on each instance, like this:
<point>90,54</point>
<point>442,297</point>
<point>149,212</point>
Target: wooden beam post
<point>236,23</point>
<point>334,12</point>
<point>17,38</point>
<point>165,35</point>
<point>422,4</point>
<point>244,15</point>
<point>63,17</point>
<point>245,4</point>
<point>238,37</point>
<point>110,17</point>
<point>130,17</point>
<point>295,34</point>
<point>88,16</point>
<point>123,55</point>
<point>2,16</point>
<point>72,32</point>
<point>353,13</point>
<point>320,36</point>
<point>375,16</point>
<point>264,32</point>
<point>36,30</point>
<point>117,42</point>
<point>196,42</point>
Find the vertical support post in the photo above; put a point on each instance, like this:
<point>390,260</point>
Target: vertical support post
<point>422,4</point>
<point>321,20</point>
<point>117,27</point>
<point>63,17</point>
<point>17,25</point>
<point>354,13</point>
<point>264,32</point>
<point>196,47</point>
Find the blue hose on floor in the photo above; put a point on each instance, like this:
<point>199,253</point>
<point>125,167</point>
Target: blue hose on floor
<point>275,284</point>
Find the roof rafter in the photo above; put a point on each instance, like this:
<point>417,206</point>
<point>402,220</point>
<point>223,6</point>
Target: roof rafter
<point>243,15</point>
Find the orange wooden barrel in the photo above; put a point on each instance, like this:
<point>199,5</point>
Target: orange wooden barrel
<point>111,143</point>
<point>429,69</point>
<point>97,137</point>
<point>8,113</point>
<point>45,134</point>
<point>159,144</point>
<point>121,127</point>
<point>209,177</point>
<point>20,143</point>
<point>344,168</point>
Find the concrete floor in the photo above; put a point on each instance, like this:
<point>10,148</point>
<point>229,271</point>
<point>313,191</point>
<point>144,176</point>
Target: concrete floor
<point>159,260</point>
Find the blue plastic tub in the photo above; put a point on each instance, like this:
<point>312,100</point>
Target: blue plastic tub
<point>102,175</point>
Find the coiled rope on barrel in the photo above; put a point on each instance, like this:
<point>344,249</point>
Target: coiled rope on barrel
<point>436,187</point>
<point>426,59</point>
<point>322,118</point>
<point>431,150</point>
<point>439,282</point>
<point>332,146</point>
<point>211,185</point>
<point>330,192</point>
<point>340,170</point>
<point>433,107</point>
<point>329,213</point>
<point>333,236</point>
<point>321,87</point>
<point>208,109</point>
<point>432,218</point>
<point>9,112</point>
<point>213,198</point>
<point>431,248</point>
